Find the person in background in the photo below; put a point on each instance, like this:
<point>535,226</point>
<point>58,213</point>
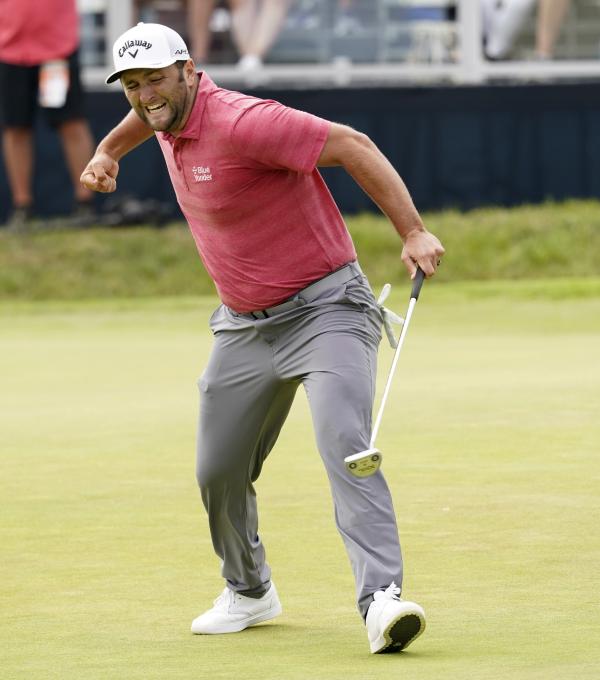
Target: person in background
<point>39,68</point>
<point>503,21</point>
<point>199,13</point>
<point>255,25</point>
<point>550,19</point>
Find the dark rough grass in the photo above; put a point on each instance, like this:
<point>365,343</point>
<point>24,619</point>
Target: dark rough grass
<point>530,242</point>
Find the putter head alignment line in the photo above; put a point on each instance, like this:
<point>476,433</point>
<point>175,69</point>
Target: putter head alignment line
<point>363,463</point>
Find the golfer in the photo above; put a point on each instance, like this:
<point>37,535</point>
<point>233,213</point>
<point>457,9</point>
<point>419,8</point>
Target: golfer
<point>296,310</point>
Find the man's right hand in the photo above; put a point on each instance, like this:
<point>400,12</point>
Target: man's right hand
<point>101,173</point>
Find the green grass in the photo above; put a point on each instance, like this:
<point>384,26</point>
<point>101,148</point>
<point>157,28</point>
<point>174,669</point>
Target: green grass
<point>531,242</point>
<point>490,448</point>
<point>528,242</point>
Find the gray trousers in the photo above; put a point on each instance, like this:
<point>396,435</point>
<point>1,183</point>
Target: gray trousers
<point>329,345</point>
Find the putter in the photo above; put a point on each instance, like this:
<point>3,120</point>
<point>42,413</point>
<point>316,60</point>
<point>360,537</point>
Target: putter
<point>366,463</point>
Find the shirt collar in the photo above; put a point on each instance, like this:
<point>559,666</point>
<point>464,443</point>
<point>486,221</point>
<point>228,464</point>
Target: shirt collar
<point>192,126</point>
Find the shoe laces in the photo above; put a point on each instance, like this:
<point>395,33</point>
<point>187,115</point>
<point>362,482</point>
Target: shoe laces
<point>225,598</point>
<point>392,592</point>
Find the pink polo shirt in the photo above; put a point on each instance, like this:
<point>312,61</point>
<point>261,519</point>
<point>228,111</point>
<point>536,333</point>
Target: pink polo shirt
<point>244,171</point>
<point>35,31</point>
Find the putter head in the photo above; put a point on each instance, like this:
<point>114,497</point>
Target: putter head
<point>363,463</point>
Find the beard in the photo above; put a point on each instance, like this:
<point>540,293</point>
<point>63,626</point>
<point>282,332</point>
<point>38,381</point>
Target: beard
<point>168,118</point>
<point>174,101</point>
<point>163,123</point>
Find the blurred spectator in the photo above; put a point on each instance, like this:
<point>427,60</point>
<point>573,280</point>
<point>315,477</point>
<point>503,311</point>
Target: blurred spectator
<point>550,19</point>
<point>203,16</point>
<point>255,25</point>
<point>199,13</point>
<point>39,68</point>
<point>503,21</point>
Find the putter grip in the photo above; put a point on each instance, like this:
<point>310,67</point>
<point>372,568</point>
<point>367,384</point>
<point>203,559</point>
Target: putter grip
<point>417,283</point>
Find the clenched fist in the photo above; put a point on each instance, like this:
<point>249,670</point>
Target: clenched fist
<point>422,249</point>
<point>101,173</point>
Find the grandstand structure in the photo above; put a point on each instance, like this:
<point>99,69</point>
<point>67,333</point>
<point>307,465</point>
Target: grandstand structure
<point>370,43</point>
<point>462,131</point>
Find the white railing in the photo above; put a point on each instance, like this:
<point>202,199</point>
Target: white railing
<point>466,65</point>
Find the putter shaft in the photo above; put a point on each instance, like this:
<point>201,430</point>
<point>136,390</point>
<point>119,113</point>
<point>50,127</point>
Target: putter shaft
<point>411,306</point>
<point>365,463</point>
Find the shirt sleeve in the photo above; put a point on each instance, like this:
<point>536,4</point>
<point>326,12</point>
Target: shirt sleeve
<point>279,137</point>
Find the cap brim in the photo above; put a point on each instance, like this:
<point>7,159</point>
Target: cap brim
<point>115,75</point>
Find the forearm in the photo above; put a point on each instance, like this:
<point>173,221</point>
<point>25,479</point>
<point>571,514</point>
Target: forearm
<point>123,138</point>
<point>101,172</point>
<point>372,171</point>
<point>376,176</point>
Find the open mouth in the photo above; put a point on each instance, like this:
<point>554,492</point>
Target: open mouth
<point>156,108</point>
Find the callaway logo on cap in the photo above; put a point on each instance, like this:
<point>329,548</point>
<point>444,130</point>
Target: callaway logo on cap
<point>147,46</point>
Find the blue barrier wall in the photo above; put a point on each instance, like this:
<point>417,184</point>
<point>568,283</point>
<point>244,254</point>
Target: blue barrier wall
<point>454,146</point>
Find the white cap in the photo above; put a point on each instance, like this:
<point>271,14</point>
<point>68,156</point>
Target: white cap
<point>147,46</point>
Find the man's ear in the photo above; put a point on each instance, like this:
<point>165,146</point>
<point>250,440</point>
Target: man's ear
<point>189,71</point>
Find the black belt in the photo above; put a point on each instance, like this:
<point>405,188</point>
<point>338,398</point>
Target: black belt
<point>311,292</point>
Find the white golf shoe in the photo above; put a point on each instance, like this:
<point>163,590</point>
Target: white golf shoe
<point>233,612</point>
<point>392,623</point>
